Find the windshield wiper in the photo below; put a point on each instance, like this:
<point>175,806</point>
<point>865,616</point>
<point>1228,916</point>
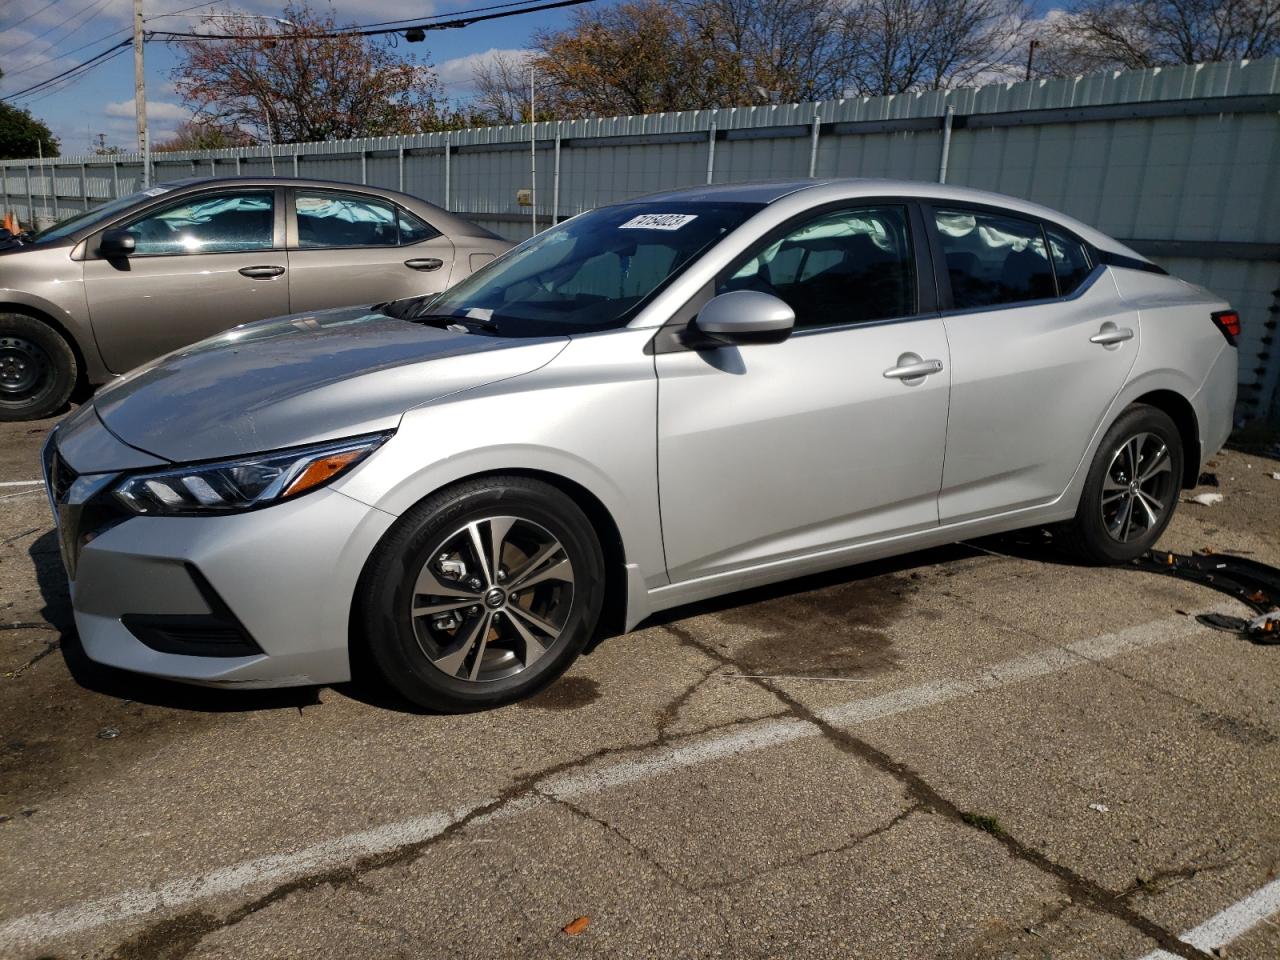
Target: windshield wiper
<point>459,324</point>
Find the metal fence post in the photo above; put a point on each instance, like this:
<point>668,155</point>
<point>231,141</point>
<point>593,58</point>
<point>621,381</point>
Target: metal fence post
<point>446,174</point>
<point>400,165</point>
<point>213,167</point>
<point>115,178</point>
<point>295,163</point>
<point>31,201</point>
<point>711,151</point>
<point>84,185</point>
<point>555,182</point>
<point>946,143</point>
<point>237,164</point>
<point>4,182</point>
<point>364,166</point>
<point>813,143</point>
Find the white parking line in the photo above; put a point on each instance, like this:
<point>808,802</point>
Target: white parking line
<point>20,483</point>
<point>39,927</point>
<point>1232,923</point>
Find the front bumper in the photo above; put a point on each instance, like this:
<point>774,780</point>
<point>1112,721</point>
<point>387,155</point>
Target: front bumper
<point>287,574</point>
<point>253,599</point>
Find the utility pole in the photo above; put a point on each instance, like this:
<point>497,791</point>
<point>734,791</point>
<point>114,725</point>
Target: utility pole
<point>533,161</point>
<point>140,95</point>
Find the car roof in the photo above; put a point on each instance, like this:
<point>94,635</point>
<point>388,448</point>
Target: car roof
<point>817,192</point>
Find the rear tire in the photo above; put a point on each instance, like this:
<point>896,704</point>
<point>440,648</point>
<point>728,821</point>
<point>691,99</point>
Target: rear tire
<point>453,629</point>
<point>1131,491</point>
<point>38,369</point>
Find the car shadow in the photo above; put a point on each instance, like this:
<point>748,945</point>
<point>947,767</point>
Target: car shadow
<point>368,688</point>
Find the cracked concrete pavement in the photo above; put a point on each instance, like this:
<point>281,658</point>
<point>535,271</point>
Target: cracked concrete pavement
<point>1008,756</point>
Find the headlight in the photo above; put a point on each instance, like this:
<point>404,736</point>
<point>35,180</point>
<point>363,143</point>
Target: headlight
<point>228,486</point>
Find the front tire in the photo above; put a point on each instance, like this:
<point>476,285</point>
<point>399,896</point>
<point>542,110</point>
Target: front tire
<point>482,594</point>
<point>38,369</point>
<point>1131,491</point>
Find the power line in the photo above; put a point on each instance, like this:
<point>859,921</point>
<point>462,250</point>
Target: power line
<point>36,13</point>
<point>59,86</point>
<point>65,53</point>
<point>70,71</point>
<point>466,19</point>
<point>26,43</point>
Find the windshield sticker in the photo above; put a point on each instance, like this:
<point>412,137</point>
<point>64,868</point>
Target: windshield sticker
<point>155,191</point>
<point>658,221</point>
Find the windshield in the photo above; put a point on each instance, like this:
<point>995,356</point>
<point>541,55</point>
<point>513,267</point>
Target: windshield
<point>64,228</point>
<point>589,273</point>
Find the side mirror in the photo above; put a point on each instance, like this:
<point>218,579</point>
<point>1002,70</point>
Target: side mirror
<point>746,316</point>
<point>117,243</point>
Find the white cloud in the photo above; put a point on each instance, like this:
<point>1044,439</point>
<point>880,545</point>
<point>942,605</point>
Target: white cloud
<point>458,73</point>
<point>157,110</point>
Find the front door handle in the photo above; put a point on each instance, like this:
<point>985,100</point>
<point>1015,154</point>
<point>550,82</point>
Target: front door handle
<point>424,263</point>
<point>261,273</point>
<point>1110,335</point>
<point>910,369</point>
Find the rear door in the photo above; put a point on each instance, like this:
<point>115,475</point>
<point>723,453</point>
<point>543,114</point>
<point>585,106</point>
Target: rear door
<point>202,263</point>
<point>1040,346</point>
<point>352,248</point>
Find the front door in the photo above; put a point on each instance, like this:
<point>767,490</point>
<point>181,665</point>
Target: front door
<point>347,249</point>
<point>1040,347</point>
<point>773,451</point>
<point>201,265</point>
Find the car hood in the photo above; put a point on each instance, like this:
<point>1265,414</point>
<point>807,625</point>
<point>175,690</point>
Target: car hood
<point>302,379</point>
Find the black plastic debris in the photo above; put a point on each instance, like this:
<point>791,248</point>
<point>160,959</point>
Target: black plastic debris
<point>1257,585</point>
<point>1207,480</point>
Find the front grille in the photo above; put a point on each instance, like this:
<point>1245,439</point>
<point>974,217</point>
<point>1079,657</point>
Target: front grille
<point>78,523</point>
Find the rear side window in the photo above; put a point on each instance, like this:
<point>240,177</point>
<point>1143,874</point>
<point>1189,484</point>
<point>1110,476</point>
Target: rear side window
<point>222,223</point>
<point>339,220</point>
<point>850,266</point>
<point>993,259</point>
<point>413,230</point>
<point>1070,262</point>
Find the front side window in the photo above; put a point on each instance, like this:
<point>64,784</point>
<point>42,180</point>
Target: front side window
<point>993,259</point>
<point>592,272</point>
<point>222,223</point>
<point>851,266</point>
<point>1070,262</point>
<point>342,220</point>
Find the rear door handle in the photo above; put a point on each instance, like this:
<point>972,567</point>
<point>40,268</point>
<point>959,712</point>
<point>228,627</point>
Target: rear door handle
<point>911,367</point>
<point>261,273</point>
<point>424,263</point>
<point>1110,335</point>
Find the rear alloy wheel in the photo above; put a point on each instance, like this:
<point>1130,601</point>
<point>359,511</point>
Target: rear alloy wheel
<point>1132,488</point>
<point>37,369</point>
<point>482,594</point>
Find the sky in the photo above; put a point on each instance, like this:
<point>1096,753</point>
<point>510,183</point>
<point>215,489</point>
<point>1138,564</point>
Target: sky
<point>39,38</point>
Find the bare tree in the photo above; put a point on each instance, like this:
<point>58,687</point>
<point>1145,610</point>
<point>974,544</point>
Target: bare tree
<point>502,90</point>
<point>1101,34</point>
<point>780,51</point>
<point>894,46</point>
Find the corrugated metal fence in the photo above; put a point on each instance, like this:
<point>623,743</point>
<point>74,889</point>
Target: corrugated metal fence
<point>1182,163</point>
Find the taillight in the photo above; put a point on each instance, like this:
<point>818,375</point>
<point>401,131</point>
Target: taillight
<point>1228,321</point>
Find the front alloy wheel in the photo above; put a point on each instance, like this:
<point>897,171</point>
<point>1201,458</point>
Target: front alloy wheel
<point>494,597</point>
<point>482,594</point>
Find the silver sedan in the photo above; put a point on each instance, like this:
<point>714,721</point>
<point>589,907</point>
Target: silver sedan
<point>647,405</point>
